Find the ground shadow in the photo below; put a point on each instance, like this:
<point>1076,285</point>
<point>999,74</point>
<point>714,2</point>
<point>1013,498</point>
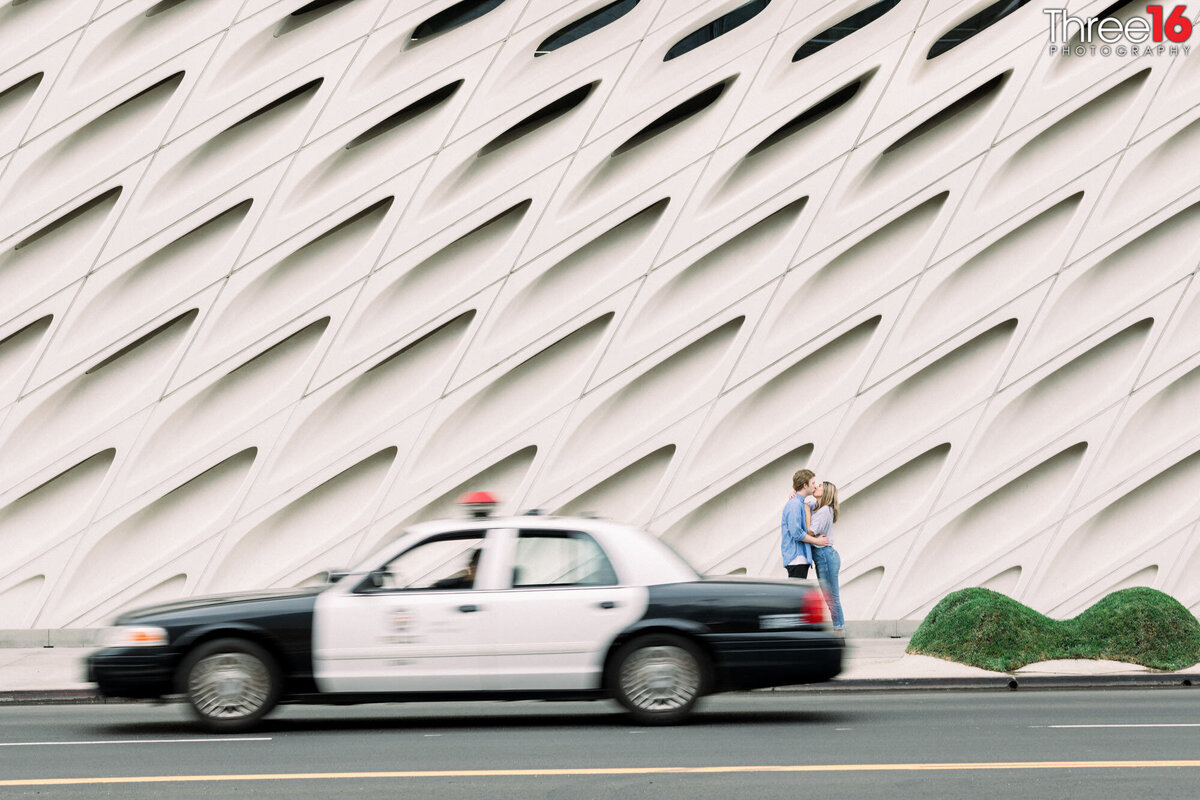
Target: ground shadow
<point>499,717</point>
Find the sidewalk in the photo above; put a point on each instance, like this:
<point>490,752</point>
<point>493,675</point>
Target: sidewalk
<point>881,663</point>
<point>56,674</point>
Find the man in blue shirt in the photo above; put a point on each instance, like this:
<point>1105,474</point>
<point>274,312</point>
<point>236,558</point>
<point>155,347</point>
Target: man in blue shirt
<point>797,554</point>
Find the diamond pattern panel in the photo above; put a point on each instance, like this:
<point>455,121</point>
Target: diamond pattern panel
<point>279,278</point>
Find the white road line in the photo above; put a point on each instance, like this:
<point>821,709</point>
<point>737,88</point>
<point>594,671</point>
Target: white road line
<point>141,741</point>
<point>1128,725</point>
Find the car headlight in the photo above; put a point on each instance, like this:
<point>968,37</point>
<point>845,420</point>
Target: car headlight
<point>134,636</point>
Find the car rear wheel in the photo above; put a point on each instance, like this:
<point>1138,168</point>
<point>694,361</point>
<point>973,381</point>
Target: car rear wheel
<point>659,678</point>
<point>230,684</point>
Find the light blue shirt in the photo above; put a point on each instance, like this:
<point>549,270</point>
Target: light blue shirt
<point>793,532</point>
<point>822,523</point>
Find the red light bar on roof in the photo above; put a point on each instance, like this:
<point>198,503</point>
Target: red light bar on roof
<point>478,504</point>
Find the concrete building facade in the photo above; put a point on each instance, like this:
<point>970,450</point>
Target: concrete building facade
<point>280,278</point>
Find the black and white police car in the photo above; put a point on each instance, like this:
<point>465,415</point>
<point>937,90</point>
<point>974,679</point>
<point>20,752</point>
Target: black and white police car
<point>481,608</point>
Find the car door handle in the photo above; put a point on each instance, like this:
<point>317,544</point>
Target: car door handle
<point>607,604</point>
<point>468,608</point>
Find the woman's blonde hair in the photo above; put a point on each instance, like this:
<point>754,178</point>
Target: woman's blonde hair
<point>829,498</point>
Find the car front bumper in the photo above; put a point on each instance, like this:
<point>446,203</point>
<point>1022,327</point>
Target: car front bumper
<point>777,658</point>
<point>133,672</point>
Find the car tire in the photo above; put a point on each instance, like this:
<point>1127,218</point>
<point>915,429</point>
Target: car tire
<point>659,678</point>
<point>230,684</point>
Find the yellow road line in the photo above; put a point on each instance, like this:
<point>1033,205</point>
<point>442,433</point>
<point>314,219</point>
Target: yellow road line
<point>581,772</point>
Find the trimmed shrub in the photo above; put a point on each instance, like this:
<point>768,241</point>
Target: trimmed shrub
<point>986,629</point>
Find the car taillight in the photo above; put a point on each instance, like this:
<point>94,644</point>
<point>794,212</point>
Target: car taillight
<point>813,609</point>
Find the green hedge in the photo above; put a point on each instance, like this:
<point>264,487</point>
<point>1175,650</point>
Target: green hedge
<point>986,629</point>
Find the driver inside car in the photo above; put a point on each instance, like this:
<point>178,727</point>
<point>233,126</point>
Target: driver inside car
<point>464,578</point>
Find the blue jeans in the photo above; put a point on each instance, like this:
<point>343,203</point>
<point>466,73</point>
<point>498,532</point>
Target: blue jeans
<point>828,564</point>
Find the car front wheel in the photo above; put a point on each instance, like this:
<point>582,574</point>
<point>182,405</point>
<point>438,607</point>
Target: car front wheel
<point>230,684</point>
<point>659,678</point>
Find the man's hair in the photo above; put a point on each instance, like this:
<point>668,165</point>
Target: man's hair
<point>802,477</point>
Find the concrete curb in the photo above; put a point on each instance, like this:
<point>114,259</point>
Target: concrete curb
<point>1006,683</point>
<point>1003,683</point>
<point>46,697</point>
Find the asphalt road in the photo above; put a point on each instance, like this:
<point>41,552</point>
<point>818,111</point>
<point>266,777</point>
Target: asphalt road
<point>1037,744</point>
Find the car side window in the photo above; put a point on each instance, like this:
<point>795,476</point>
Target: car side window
<point>560,558</point>
<point>447,561</point>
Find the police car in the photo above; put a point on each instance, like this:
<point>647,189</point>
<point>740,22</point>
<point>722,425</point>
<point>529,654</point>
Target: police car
<point>480,608</point>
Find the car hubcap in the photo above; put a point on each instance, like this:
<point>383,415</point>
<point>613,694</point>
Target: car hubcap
<point>660,678</point>
<point>229,685</point>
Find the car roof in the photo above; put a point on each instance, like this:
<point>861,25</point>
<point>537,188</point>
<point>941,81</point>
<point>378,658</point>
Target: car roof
<point>541,521</point>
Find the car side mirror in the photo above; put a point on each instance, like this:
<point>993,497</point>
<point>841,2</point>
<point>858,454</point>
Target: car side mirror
<point>372,582</point>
